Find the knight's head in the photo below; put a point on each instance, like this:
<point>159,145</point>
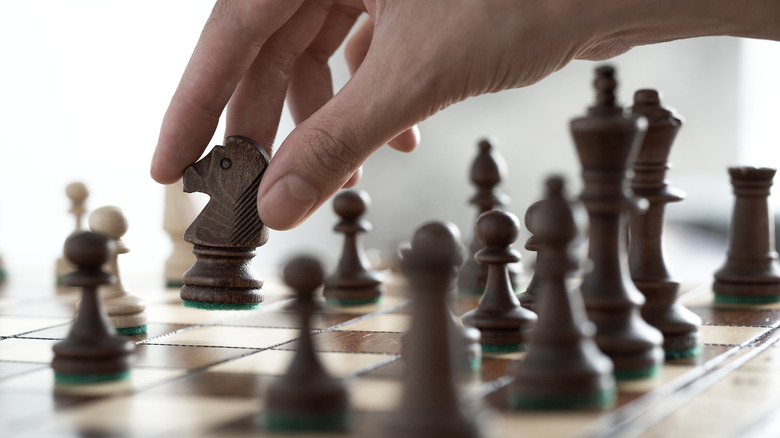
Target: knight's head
<point>228,169</point>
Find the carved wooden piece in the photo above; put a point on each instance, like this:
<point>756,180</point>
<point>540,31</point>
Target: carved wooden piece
<point>92,350</point>
<point>179,213</point>
<point>228,230</point>
<point>529,297</point>
<point>563,368</point>
<point>353,282</point>
<point>607,139</point>
<point>77,193</point>
<point>430,404</point>
<point>751,273</point>
<point>306,397</point>
<point>503,324</point>
<point>487,172</point>
<point>127,312</point>
<point>679,325</point>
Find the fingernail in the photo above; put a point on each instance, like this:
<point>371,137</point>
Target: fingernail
<point>287,202</point>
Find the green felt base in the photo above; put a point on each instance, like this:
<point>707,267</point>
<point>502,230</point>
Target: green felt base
<point>85,379</point>
<point>599,400</point>
<point>732,299</point>
<point>130,331</point>
<point>503,348</point>
<point>476,364</point>
<point>471,292</point>
<point>300,423</point>
<point>686,353</point>
<point>173,284</point>
<point>349,303</point>
<point>641,373</point>
<point>220,306</point>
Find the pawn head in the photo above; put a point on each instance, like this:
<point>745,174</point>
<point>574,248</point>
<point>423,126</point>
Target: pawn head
<point>304,274</point>
<point>108,220</point>
<point>351,204</point>
<point>88,250</point>
<point>498,228</point>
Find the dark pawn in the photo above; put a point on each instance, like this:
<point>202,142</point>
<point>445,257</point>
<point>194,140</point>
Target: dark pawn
<point>306,398</point>
<point>430,405</point>
<point>503,324</point>
<point>487,171</point>
<point>353,283</point>
<point>529,297</point>
<point>92,352</point>
<point>607,139</point>
<point>751,273</point>
<point>679,325</point>
<point>564,369</point>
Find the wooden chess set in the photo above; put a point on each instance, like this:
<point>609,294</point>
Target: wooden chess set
<point>450,342</point>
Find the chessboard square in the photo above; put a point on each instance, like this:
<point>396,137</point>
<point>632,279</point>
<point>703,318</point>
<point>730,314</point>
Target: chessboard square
<point>43,380</point>
<point>546,424</point>
<point>387,322</point>
<point>17,325</point>
<point>374,395</point>
<point>729,335</point>
<point>731,316</point>
<point>287,319</point>
<point>26,350</point>
<point>10,369</point>
<point>385,302</point>
<point>276,363</point>
<point>211,384</point>
<point>357,342</point>
<point>187,357</point>
<point>152,415</point>
<point>62,307</point>
<point>178,314</point>
<point>229,336</point>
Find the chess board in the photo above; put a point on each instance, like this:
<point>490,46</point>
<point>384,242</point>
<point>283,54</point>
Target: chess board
<point>203,373</point>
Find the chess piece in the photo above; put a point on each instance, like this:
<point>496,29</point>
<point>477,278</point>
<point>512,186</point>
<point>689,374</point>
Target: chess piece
<point>607,139</point>
<point>465,344</point>
<point>92,352</point>
<point>306,397</point>
<point>679,325</point>
<point>487,171</point>
<point>529,297</point>
<point>503,324</point>
<point>564,369</point>
<point>179,212</point>
<point>353,283</point>
<point>77,193</point>
<point>126,312</point>
<point>228,230</point>
<point>430,404</point>
<point>751,273</point>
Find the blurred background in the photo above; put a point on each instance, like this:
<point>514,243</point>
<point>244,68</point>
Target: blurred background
<point>84,85</point>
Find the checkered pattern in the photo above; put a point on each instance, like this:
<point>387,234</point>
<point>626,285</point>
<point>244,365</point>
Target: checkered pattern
<point>202,373</point>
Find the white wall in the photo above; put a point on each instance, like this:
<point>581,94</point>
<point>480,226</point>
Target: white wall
<point>84,85</point>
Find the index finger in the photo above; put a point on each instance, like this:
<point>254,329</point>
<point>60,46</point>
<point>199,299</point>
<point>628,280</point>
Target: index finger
<point>230,41</point>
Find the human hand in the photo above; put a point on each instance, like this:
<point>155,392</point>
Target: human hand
<point>409,60</point>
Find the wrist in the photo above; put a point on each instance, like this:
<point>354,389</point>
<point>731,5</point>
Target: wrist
<point>616,26</point>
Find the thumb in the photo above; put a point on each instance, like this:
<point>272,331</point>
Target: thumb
<point>323,152</point>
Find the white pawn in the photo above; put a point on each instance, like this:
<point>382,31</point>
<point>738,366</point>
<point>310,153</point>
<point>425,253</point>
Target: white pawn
<point>126,312</point>
<point>77,193</point>
<point>180,212</point>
